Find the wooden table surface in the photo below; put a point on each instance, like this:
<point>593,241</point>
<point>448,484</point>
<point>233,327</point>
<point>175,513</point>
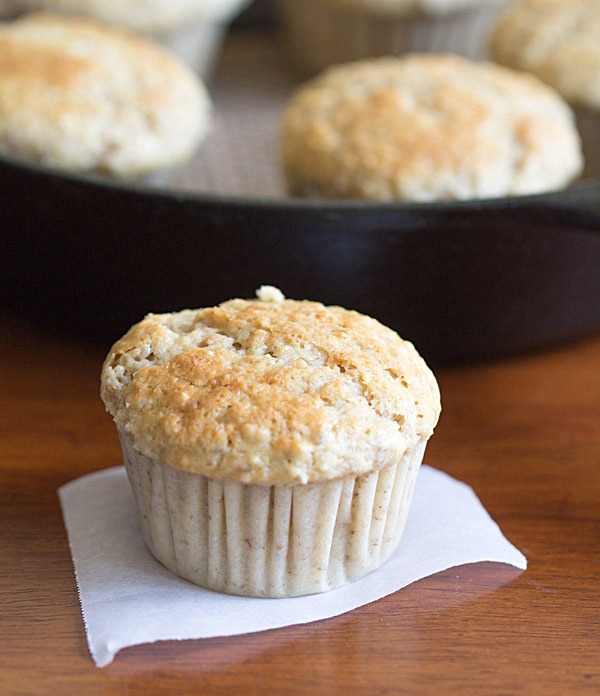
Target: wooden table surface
<point>523,432</point>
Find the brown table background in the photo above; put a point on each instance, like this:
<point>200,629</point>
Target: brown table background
<point>524,432</point>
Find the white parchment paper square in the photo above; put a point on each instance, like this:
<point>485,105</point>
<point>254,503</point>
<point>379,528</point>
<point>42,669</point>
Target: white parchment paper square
<point>128,598</point>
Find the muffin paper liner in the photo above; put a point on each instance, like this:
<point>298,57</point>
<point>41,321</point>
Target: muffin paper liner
<point>198,45</point>
<point>318,34</point>
<point>128,598</point>
<point>271,541</point>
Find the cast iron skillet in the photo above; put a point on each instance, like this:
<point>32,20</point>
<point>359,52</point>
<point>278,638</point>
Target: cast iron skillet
<point>463,281</point>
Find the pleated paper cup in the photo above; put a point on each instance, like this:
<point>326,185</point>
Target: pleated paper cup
<point>199,46</point>
<point>318,33</point>
<point>271,541</point>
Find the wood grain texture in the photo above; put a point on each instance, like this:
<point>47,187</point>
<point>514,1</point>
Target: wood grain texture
<point>525,433</point>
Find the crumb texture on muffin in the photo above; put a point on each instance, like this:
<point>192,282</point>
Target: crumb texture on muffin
<point>558,40</point>
<point>83,96</point>
<point>427,127</point>
<point>270,391</point>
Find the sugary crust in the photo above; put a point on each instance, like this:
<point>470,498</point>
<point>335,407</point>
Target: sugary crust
<point>558,40</point>
<point>146,16</point>
<point>402,8</point>
<point>269,391</point>
<point>427,127</point>
<point>83,96</point>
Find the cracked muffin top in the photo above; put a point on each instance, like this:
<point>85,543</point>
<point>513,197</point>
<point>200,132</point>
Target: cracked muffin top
<point>269,391</point>
<point>425,128</point>
<point>86,97</point>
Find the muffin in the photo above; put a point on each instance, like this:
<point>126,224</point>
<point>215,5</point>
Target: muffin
<point>193,29</point>
<point>427,128</point>
<point>272,445</point>
<point>85,97</point>
<point>319,33</point>
<point>559,41</point>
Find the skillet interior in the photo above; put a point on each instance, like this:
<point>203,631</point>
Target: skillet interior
<point>464,281</point>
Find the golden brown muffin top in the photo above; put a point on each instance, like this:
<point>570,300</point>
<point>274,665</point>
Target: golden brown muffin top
<point>270,391</point>
<point>557,40</point>
<point>84,96</point>
<point>427,127</point>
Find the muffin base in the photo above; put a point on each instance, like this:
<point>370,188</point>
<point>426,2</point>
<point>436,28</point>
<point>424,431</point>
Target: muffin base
<point>318,34</point>
<point>270,541</point>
